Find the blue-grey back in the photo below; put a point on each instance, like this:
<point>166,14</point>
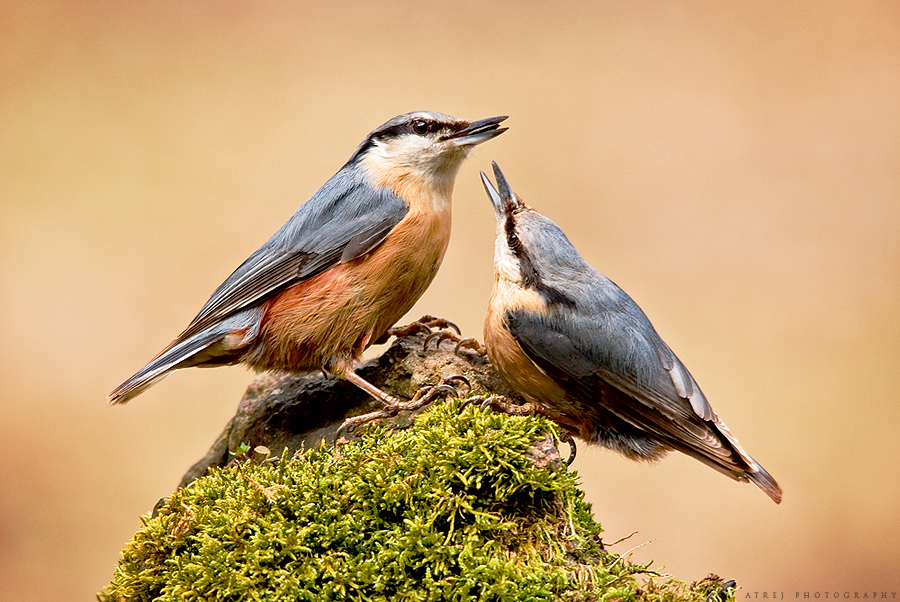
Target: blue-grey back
<point>345,218</point>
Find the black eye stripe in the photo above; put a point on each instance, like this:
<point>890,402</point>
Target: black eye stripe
<point>425,126</point>
<point>404,128</point>
<point>510,226</point>
<point>530,276</point>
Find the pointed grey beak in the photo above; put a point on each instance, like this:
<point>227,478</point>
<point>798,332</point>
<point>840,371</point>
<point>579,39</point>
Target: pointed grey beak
<point>504,200</point>
<point>477,132</point>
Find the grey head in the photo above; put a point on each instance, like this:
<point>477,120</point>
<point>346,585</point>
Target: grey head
<point>530,249</point>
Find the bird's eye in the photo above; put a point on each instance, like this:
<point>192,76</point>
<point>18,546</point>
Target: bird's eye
<point>512,240</point>
<point>420,126</point>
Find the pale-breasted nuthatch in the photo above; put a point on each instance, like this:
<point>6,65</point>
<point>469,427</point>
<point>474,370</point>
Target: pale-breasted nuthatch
<point>344,268</point>
<point>579,349</point>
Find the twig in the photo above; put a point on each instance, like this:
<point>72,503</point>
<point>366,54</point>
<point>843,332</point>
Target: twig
<point>623,539</point>
<point>621,556</point>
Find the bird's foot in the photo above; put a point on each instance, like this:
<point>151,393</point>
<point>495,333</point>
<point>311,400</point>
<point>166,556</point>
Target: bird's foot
<point>498,403</point>
<point>423,325</point>
<point>393,406</point>
<point>428,393</point>
<point>461,343</point>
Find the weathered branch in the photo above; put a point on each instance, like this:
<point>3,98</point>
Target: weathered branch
<point>293,412</point>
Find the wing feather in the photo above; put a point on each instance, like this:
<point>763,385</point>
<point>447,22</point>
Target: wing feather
<point>628,359</point>
<point>344,220</point>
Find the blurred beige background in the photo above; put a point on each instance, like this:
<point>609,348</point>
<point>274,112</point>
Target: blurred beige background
<point>734,166</point>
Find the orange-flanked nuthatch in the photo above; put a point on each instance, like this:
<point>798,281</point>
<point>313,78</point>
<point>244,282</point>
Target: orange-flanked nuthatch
<point>581,351</point>
<point>344,268</point>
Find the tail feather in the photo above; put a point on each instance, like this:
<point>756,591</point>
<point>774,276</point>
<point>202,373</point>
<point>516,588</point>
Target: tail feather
<point>178,355</point>
<point>740,468</point>
<point>756,473</point>
<point>764,481</point>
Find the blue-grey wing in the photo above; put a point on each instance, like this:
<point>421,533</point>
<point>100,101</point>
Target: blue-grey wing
<point>591,355</point>
<point>345,219</point>
<point>616,342</point>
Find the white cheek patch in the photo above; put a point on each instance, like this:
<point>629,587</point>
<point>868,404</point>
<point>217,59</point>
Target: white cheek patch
<point>415,157</point>
<point>400,151</point>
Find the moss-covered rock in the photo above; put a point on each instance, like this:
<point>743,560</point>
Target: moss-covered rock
<point>464,505</point>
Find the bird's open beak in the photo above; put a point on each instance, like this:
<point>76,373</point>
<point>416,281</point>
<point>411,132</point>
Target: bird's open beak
<point>503,200</point>
<point>477,132</point>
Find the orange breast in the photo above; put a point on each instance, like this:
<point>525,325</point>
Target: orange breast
<point>514,366</point>
<point>330,319</point>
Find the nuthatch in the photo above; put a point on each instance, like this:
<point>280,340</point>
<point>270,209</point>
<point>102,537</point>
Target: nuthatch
<point>580,350</point>
<point>344,268</point>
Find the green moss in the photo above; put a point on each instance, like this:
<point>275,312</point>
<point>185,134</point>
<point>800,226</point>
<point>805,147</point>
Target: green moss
<point>450,509</point>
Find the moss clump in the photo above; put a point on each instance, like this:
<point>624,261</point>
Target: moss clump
<point>454,508</point>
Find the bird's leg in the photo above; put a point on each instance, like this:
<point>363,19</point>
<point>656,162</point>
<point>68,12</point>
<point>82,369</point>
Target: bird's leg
<point>369,388</point>
<point>499,403</point>
<point>392,405</point>
<point>423,325</point>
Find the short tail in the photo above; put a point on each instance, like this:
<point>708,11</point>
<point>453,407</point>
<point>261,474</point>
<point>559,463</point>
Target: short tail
<point>764,481</point>
<point>180,354</point>
<point>220,344</point>
<point>745,470</point>
<point>753,472</point>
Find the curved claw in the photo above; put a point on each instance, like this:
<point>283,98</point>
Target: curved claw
<point>566,437</point>
<point>426,395</point>
<point>442,323</point>
<point>459,378</point>
<point>428,340</point>
<point>467,402</point>
<point>470,343</point>
<point>342,431</point>
<point>440,334</point>
<point>442,388</point>
<point>496,402</point>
